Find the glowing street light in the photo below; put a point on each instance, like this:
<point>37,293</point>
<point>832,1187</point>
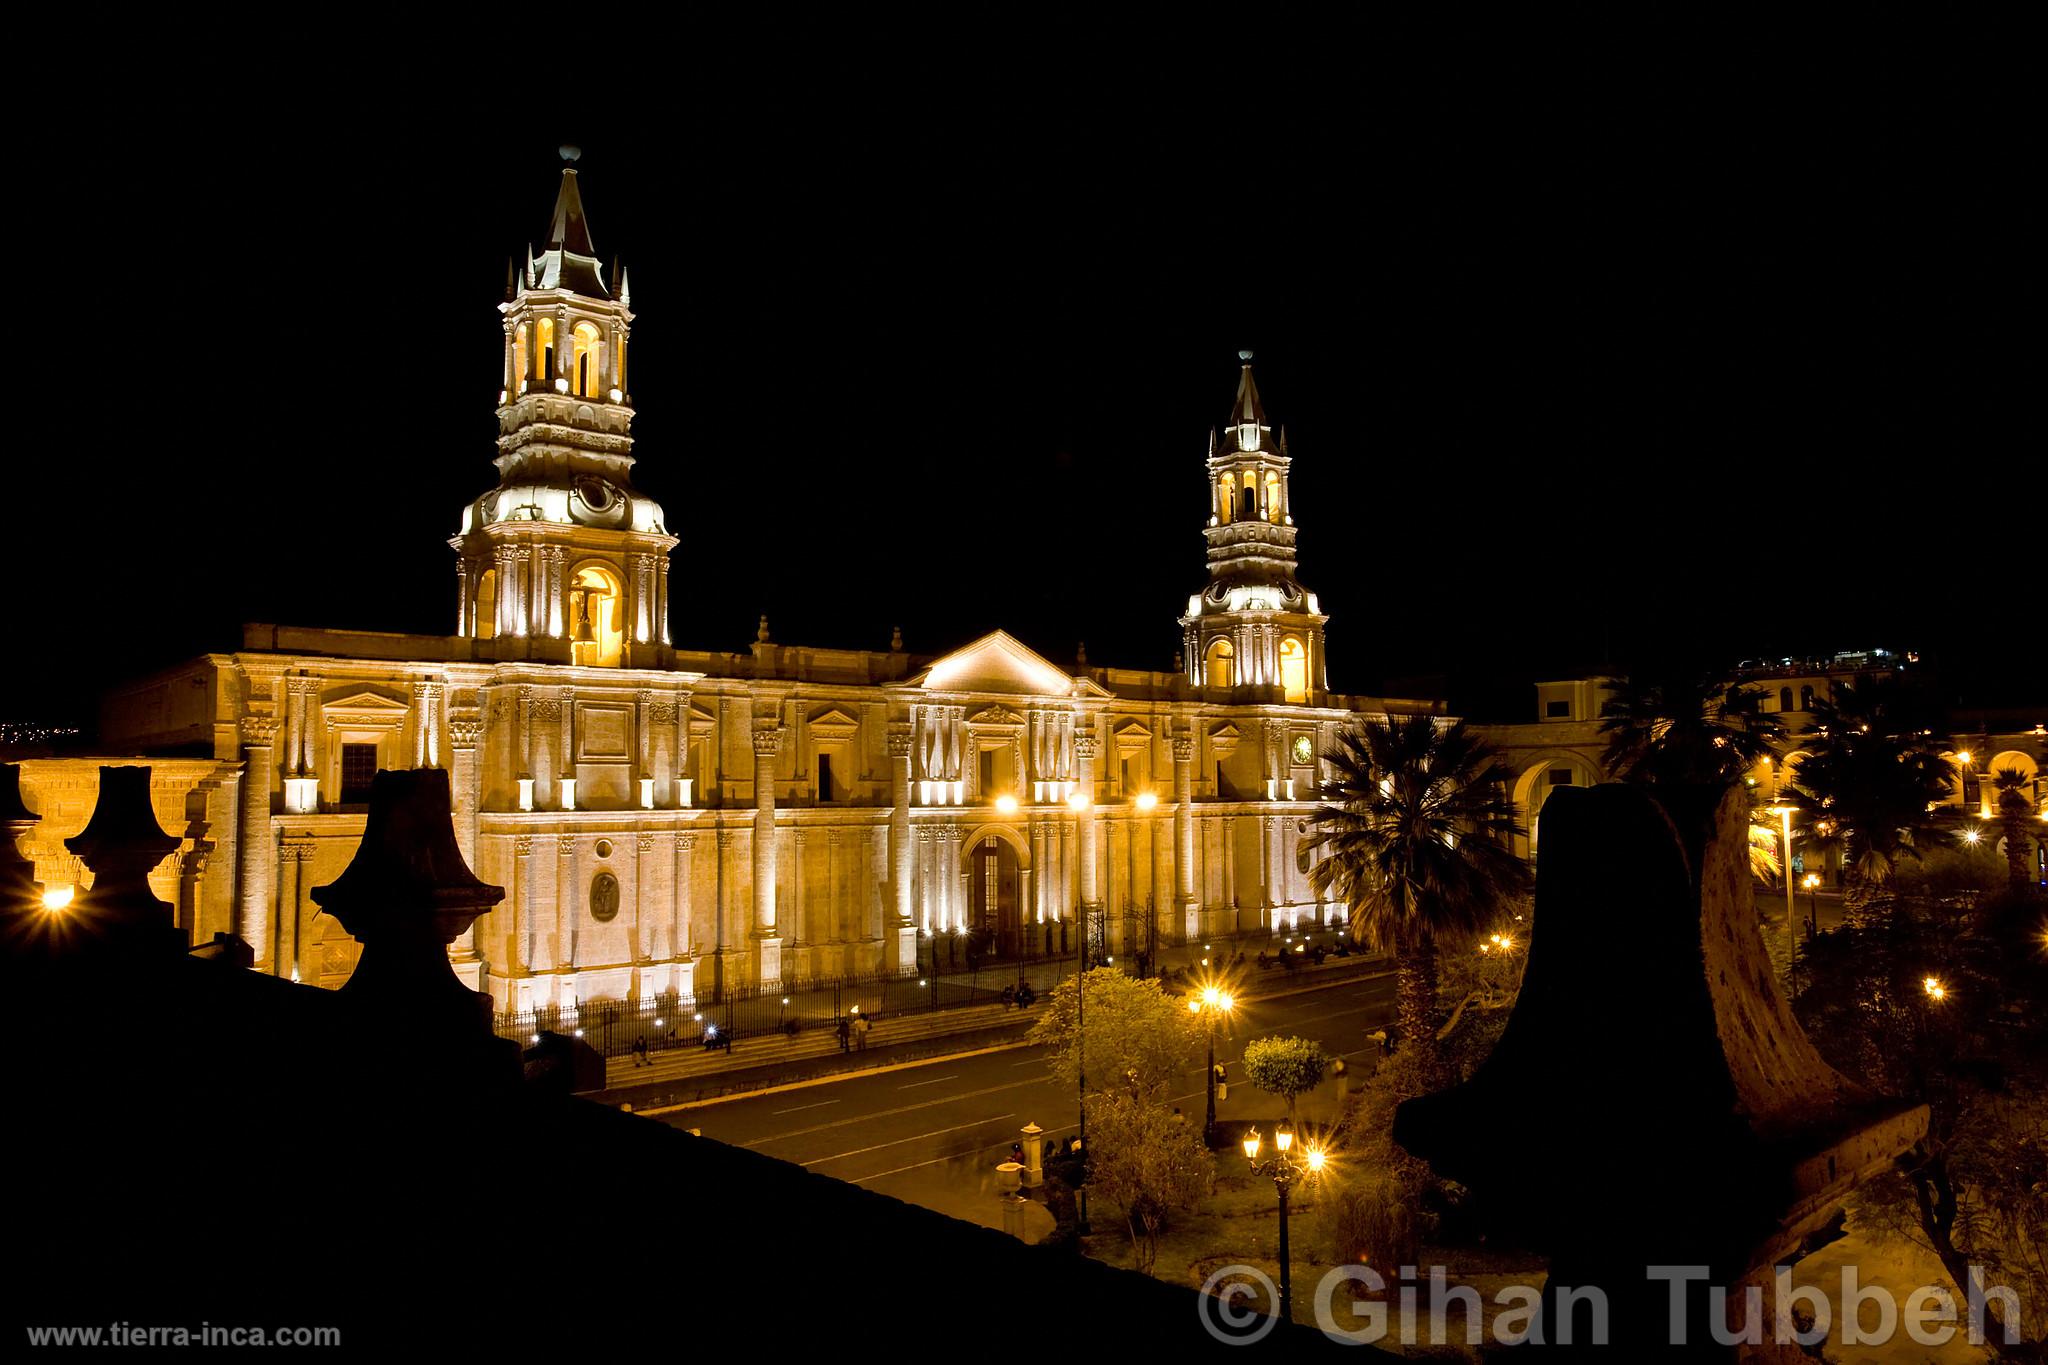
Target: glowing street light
<point>1213,1000</point>
<point>1971,836</point>
<point>1006,804</point>
<point>57,899</point>
<point>1285,1168</point>
<point>1935,990</point>
<point>1147,800</point>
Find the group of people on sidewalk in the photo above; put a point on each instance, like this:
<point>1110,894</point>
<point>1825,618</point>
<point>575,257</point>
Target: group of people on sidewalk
<point>853,1032</point>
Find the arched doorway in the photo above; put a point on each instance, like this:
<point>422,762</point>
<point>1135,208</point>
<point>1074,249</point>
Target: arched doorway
<point>1533,786</point>
<point>995,900</point>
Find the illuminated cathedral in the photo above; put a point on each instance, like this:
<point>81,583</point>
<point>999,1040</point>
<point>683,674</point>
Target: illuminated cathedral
<point>668,819</point>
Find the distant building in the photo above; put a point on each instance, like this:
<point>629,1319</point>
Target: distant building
<point>671,820</point>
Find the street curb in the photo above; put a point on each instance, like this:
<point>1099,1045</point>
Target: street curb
<point>831,1078</point>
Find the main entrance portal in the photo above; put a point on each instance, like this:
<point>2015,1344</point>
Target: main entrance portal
<point>994,897</point>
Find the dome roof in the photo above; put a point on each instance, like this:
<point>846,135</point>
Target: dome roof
<point>585,500</point>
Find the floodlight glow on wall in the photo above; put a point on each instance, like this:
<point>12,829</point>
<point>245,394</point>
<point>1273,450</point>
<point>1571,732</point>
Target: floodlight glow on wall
<point>683,785</point>
<point>526,793</point>
<point>646,793</point>
<point>301,795</point>
<point>568,789</point>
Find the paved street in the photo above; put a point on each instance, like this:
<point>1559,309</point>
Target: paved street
<point>932,1133</point>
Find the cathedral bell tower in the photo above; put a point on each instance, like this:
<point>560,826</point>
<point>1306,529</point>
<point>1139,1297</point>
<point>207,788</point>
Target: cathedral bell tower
<point>1254,632</point>
<point>564,560</point>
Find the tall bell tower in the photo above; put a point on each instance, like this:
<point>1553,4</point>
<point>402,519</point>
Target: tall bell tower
<point>1254,631</point>
<point>564,560</point>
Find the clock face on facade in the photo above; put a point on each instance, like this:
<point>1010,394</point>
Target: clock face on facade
<point>1304,750</point>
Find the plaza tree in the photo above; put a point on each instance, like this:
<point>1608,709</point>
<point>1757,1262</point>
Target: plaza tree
<point>1287,1067</point>
<point>1138,1039</point>
<point>1951,1011</point>
<point>1414,834</point>
<point>1678,725</point>
<point>1873,784</point>
<point>2017,824</point>
<point>1147,1160</point>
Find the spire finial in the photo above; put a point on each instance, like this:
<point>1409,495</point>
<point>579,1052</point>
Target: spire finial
<point>1245,356</point>
<point>570,152</point>
<point>762,633</point>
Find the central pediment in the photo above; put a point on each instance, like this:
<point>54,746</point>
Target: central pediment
<point>999,662</point>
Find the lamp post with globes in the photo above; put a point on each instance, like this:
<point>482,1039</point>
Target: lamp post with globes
<point>1286,1167</point>
<point>1211,1002</point>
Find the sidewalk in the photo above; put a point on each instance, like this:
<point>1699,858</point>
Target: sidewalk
<point>693,1076</point>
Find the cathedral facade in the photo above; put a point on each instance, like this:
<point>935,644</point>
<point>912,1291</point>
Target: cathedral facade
<point>672,820</point>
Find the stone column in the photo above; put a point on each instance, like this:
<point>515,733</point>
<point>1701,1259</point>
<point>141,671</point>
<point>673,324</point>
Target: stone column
<point>1230,869</point>
<point>875,860</point>
<point>1084,756</point>
<point>255,849</point>
<point>191,875</point>
<point>464,729</point>
<point>803,931</point>
<point>519,942</point>
<point>650,938</point>
<point>568,904</point>
<point>1184,836</point>
<point>767,742</point>
<point>682,933</point>
<point>901,948</point>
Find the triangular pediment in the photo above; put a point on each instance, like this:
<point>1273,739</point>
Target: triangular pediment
<point>995,715</point>
<point>832,718</point>
<point>997,662</point>
<point>361,701</point>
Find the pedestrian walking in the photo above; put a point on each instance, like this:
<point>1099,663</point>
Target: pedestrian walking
<point>860,1030</point>
<point>845,1032</point>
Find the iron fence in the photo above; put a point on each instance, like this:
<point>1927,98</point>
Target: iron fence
<point>617,1027</point>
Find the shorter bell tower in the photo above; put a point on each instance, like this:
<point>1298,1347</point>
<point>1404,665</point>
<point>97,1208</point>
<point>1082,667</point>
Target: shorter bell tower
<point>565,560</point>
<point>1254,631</point>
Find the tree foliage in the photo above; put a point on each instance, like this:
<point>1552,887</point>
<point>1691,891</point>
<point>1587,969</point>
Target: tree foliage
<point>1416,836</point>
<point>1674,724</point>
<point>1137,1039</point>
<point>1976,1053</point>
<point>1284,1066</point>
<point>1874,782</point>
<point>1148,1161</point>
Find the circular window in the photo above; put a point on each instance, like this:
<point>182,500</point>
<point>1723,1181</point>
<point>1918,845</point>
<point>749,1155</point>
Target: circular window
<point>604,848</point>
<point>1304,750</point>
<point>597,495</point>
<point>604,897</point>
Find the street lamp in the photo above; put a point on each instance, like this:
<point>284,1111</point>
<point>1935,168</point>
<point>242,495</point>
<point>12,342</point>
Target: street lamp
<point>1211,1002</point>
<point>1286,1167</point>
<point>1810,881</point>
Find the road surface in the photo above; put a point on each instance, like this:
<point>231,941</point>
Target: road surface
<point>932,1133</point>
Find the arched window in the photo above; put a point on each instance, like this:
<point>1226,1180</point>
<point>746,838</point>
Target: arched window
<point>1784,699</point>
<point>1273,498</point>
<point>586,371</point>
<point>1225,503</point>
<point>1806,698</point>
<point>487,605</point>
<point>1221,664</point>
<point>1293,669</point>
<point>597,616</point>
<point>1248,502</point>
<point>519,358</point>
<point>546,337</point>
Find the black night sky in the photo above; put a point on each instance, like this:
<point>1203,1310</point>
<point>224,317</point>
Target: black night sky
<point>1573,365</point>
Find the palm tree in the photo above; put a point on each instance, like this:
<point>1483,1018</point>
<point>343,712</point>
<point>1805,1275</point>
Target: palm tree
<point>1416,837</point>
<point>1680,725</point>
<point>2016,821</point>
<point>1874,782</point>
